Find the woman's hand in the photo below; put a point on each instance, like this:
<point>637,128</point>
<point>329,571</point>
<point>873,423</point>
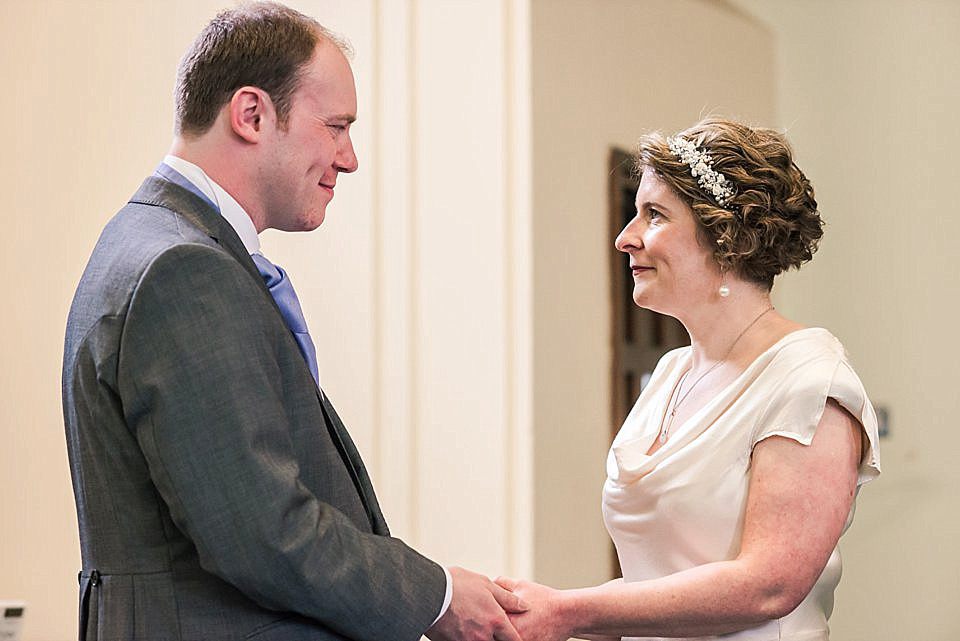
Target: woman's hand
<point>544,621</point>
<point>547,619</point>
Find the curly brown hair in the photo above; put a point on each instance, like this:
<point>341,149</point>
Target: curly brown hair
<point>771,224</point>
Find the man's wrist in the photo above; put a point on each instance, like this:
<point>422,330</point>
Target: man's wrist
<point>447,597</point>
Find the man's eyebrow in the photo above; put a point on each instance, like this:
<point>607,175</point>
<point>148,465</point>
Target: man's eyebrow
<point>348,118</point>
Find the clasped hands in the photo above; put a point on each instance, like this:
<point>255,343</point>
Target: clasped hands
<point>501,610</point>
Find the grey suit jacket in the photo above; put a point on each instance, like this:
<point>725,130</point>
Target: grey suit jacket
<point>218,494</point>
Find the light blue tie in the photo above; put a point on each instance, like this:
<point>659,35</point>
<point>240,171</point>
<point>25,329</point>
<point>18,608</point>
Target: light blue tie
<point>276,279</point>
<point>282,291</point>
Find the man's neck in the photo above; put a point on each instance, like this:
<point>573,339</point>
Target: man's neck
<point>231,210</point>
<point>223,166</point>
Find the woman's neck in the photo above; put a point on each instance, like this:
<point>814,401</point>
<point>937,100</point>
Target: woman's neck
<point>724,328</point>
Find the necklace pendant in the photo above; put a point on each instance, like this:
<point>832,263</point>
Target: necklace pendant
<point>677,396</point>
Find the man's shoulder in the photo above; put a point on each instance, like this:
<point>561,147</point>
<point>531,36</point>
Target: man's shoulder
<point>163,212</point>
<point>135,237</point>
<point>158,218</point>
<point>149,220</point>
<point>133,241</point>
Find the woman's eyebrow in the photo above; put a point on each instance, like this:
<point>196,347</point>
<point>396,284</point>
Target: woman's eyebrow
<point>651,204</point>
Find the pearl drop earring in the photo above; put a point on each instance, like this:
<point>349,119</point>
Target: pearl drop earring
<point>724,291</point>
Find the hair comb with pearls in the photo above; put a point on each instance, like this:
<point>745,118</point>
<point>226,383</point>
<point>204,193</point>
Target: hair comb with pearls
<point>701,168</point>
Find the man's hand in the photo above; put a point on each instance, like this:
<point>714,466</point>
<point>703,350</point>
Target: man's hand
<point>478,611</point>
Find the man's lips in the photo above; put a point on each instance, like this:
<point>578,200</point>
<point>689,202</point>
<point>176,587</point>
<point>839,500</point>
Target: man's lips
<point>327,187</point>
<point>639,269</point>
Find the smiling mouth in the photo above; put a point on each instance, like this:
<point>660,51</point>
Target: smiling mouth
<point>636,269</point>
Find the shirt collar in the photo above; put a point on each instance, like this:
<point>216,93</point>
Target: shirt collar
<point>230,209</point>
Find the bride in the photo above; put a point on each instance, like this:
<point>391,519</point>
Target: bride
<point>736,472</point>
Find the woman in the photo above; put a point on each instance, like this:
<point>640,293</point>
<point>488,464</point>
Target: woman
<point>735,473</point>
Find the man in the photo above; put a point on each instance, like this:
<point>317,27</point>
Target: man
<point>219,495</point>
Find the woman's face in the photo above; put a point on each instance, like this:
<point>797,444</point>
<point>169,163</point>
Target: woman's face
<point>672,271</point>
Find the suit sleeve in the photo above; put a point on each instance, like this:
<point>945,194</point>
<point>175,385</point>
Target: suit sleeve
<point>201,388</point>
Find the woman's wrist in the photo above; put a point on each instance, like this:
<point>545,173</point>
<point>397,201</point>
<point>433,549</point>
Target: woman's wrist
<point>573,611</point>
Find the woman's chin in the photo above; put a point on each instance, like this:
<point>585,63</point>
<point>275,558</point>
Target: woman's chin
<point>646,301</point>
<point>642,298</point>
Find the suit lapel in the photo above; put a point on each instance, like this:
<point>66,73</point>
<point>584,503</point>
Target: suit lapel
<point>198,211</point>
<point>351,459</point>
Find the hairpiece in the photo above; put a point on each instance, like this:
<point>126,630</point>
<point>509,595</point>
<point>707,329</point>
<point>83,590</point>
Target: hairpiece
<point>701,168</point>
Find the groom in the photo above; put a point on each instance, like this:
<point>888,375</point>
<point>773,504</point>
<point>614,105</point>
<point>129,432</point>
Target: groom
<point>219,495</point>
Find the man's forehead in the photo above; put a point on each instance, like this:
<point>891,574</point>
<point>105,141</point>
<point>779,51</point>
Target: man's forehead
<point>328,79</point>
<point>328,61</point>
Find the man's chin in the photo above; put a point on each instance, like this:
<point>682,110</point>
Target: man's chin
<point>309,222</point>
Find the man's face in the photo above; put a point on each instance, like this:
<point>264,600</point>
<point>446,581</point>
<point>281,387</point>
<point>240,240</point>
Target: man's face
<point>298,179</point>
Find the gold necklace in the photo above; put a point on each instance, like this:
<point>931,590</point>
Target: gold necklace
<point>667,420</point>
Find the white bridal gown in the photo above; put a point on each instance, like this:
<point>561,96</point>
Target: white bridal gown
<point>683,506</point>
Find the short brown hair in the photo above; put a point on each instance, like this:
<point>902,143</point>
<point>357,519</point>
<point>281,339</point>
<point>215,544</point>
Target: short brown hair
<point>263,44</point>
<point>771,223</point>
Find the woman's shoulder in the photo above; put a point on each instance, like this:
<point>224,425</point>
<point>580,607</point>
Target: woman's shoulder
<point>804,361</point>
<point>806,344</point>
<point>797,376</point>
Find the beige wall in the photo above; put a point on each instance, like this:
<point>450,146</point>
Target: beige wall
<point>416,288</point>
<point>868,91</point>
<point>603,73</point>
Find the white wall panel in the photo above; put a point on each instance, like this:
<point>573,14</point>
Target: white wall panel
<point>397,467</point>
<point>461,264</point>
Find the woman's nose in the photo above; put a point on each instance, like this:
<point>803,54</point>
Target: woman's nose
<point>627,239</point>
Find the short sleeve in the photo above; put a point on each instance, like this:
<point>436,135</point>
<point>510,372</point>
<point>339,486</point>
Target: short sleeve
<point>798,394</point>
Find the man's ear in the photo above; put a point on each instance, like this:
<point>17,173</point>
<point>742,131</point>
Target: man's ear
<point>250,112</point>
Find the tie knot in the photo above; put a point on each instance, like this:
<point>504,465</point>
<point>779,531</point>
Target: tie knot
<point>283,293</point>
<point>272,274</point>
<point>281,289</point>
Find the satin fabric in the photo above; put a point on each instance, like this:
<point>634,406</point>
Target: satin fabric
<point>684,505</point>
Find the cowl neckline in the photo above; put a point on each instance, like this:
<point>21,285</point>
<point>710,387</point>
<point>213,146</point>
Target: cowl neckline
<point>642,426</point>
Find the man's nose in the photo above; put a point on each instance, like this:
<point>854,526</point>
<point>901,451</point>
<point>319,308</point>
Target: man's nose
<point>347,158</point>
